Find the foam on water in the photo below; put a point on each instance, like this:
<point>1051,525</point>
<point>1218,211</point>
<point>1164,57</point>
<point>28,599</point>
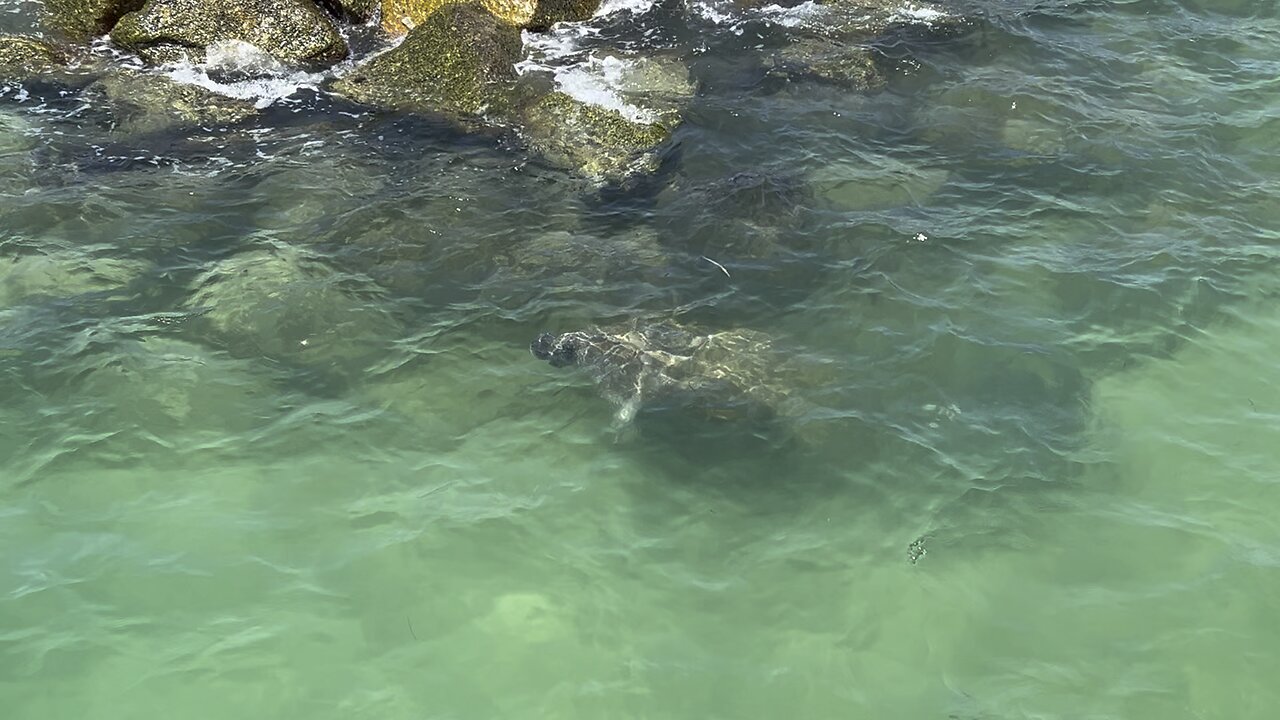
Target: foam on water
<point>613,7</point>
<point>911,12</point>
<point>809,13</point>
<point>239,70</point>
<point>581,72</point>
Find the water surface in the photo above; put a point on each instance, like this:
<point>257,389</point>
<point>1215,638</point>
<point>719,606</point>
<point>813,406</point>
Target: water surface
<point>1033,280</point>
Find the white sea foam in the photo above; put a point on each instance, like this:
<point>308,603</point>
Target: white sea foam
<point>578,71</point>
<point>257,76</point>
<point>635,7</point>
<point>912,12</point>
<point>724,13</point>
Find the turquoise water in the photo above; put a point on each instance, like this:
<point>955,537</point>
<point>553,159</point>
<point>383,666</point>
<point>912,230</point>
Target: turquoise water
<point>272,443</point>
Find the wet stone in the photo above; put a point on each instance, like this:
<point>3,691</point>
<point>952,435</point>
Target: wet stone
<point>458,61</point>
<point>142,103</point>
<point>167,31</point>
<point>81,20</point>
<point>594,141</point>
<point>398,16</point>
<point>22,58</point>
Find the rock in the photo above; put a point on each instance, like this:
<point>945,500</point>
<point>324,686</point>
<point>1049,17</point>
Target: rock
<point>81,20</point>
<point>354,10</point>
<point>526,617</point>
<point>62,273</point>
<point>143,103</point>
<point>281,303</point>
<point>657,84</point>
<point>167,386</point>
<point>747,215</point>
<point>171,30</point>
<point>876,183</point>
<point>461,61</point>
<point>22,58</point>
<point>828,61</point>
<point>597,142</point>
<point>401,15</point>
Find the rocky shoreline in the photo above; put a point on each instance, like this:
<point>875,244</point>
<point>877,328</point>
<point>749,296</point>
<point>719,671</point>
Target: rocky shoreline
<point>456,59</point>
<point>444,58</point>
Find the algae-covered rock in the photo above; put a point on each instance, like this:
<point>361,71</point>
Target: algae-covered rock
<point>828,61</point>
<point>461,60</point>
<point>24,57</point>
<point>598,142</point>
<point>144,103</point>
<point>658,85</point>
<point>282,303</point>
<point>401,15</point>
<point>84,19</point>
<point>171,30</point>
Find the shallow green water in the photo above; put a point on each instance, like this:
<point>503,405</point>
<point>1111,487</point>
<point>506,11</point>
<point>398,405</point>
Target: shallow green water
<point>1033,280</point>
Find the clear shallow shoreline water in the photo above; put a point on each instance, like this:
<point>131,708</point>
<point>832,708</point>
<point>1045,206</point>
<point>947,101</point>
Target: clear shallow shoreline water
<point>1065,393</point>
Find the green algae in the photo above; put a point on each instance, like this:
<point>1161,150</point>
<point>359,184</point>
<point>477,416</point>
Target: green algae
<point>400,15</point>
<point>168,30</point>
<point>81,20</point>
<point>22,58</point>
<point>598,142</point>
<point>459,61</point>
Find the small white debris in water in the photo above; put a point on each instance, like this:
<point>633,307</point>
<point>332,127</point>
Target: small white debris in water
<point>1013,105</point>
<point>920,237</point>
<point>722,268</point>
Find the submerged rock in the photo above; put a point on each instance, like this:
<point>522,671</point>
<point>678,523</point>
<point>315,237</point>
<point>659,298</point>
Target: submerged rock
<point>564,257</point>
<point>22,58</point>
<point>142,103</point>
<point>828,61</point>
<point>63,273</point>
<point>728,375</point>
<point>401,15</point>
<point>460,61</point>
<point>164,386</point>
<point>595,141</point>
<point>281,303</point>
<point>747,215</point>
<point>170,30</point>
<point>877,183</point>
<point>81,20</point>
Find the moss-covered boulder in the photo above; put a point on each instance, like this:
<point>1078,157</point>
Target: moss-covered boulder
<point>24,57</point>
<point>595,141</point>
<point>461,60</point>
<point>141,103</point>
<point>399,16</point>
<point>170,30</point>
<point>84,19</point>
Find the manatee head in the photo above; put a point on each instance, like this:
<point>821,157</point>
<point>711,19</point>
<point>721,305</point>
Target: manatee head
<point>559,350</point>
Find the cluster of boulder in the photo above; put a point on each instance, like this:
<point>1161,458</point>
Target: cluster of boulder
<point>452,58</point>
